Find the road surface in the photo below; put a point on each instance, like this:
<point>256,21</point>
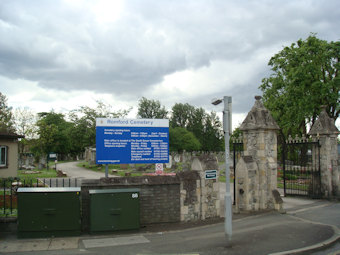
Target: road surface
<point>74,177</point>
<point>73,171</point>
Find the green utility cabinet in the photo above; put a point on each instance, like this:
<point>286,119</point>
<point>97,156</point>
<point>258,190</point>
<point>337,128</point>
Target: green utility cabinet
<point>45,212</point>
<point>114,209</point>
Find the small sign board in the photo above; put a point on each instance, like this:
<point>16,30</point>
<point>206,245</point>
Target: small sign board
<point>159,168</point>
<point>211,174</point>
<point>52,155</point>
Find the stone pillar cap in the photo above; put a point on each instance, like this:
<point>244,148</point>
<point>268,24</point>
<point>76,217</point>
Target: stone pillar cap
<point>259,117</point>
<point>324,125</point>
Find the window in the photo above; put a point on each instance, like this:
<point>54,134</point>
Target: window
<point>3,156</point>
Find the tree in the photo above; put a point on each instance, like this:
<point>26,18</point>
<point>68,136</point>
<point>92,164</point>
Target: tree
<point>53,134</point>
<point>6,116</point>
<point>181,115</point>
<point>181,139</point>
<point>151,109</point>
<point>305,77</point>
<point>24,122</point>
<point>206,127</point>
<point>83,131</point>
<point>212,137</point>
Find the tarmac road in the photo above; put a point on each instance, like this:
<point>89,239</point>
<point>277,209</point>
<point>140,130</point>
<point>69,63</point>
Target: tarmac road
<point>73,171</point>
<point>74,176</point>
<point>307,224</point>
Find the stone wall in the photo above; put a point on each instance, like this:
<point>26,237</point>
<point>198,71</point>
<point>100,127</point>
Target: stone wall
<point>247,193</point>
<point>177,160</point>
<point>208,189</point>
<point>184,197</point>
<point>183,160</point>
<point>190,196</point>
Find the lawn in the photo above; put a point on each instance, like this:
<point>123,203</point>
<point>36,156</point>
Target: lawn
<point>119,170</point>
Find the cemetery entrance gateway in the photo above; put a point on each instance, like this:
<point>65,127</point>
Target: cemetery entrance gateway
<point>301,167</point>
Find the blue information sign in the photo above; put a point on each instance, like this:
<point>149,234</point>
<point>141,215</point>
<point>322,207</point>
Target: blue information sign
<point>126,141</point>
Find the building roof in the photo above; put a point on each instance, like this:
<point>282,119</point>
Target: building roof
<point>10,135</point>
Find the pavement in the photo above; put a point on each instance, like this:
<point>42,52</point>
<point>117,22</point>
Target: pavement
<point>307,227</point>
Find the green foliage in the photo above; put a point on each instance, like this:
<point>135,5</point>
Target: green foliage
<point>53,134</point>
<point>206,127</point>
<point>182,115</point>
<point>212,135</point>
<point>305,77</point>
<point>32,178</point>
<point>181,139</point>
<point>151,109</point>
<point>83,130</point>
<point>24,121</point>
<point>6,116</point>
<point>8,213</point>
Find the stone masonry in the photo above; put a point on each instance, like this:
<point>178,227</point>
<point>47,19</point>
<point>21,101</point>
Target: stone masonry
<point>325,130</point>
<point>184,197</point>
<point>258,167</point>
<point>207,189</point>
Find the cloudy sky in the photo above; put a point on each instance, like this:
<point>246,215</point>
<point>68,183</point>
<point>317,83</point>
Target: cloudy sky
<point>62,54</point>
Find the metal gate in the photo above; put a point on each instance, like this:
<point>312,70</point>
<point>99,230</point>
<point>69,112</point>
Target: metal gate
<point>237,147</point>
<point>301,167</point>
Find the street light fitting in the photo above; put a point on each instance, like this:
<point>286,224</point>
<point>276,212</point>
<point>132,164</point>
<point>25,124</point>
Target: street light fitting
<point>227,116</point>
<point>216,101</point>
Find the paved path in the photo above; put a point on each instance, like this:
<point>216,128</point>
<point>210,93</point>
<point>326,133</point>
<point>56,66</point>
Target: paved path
<point>75,175</point>
<point>73,171</point>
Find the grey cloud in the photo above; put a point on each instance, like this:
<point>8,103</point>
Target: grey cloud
<point>63,48</point>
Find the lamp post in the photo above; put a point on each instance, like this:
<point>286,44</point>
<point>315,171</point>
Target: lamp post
<point>226,129</point>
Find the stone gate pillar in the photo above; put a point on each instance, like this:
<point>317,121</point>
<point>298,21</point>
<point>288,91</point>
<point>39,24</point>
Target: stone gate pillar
<point>325,129</point>
<point>209,189</point>
<point>258,169</point>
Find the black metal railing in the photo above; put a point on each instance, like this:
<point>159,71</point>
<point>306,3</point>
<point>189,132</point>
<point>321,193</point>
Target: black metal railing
<point>301,167</point>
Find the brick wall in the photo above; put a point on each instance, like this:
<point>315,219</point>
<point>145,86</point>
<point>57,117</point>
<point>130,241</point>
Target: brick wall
<point>159,197</point>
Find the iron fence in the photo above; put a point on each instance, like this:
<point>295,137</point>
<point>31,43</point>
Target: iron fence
<point>301,167</point>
